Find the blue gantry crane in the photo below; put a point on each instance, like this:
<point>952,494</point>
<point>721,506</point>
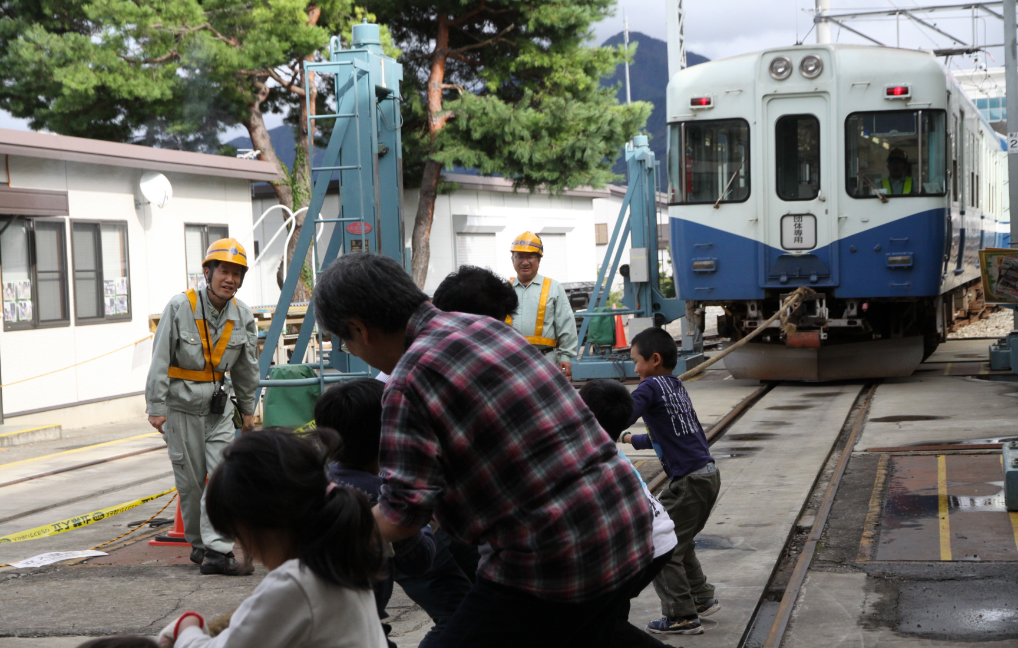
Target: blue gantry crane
<point>365,154</point>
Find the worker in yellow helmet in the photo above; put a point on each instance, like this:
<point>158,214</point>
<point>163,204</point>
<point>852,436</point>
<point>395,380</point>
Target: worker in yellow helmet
<point>202,334</point>
<point>544,315</point>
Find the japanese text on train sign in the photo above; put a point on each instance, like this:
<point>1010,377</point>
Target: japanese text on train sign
<point>799,232</point>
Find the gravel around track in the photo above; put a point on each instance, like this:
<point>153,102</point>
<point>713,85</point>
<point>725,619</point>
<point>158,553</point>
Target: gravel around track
<point>998,324</point>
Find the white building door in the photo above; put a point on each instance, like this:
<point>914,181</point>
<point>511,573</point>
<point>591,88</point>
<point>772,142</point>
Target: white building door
<point>555,263</point>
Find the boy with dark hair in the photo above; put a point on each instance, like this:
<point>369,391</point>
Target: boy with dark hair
<point>428,574</point>
<point>677,438</point>
<point>612,406</point>
<point>476,290</point>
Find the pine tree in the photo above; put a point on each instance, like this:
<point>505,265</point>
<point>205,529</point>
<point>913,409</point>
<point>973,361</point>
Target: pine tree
<point>509,87</point>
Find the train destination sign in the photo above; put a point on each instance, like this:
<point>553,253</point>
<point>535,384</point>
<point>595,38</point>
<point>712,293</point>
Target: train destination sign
<point>799,232</point>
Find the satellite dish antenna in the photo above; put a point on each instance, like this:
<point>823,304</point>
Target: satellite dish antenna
<point>156,188</point>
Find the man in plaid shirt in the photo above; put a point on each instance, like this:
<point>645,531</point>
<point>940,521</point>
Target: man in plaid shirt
<point>484,434</point>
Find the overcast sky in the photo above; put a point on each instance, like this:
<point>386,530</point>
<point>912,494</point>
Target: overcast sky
<point>722,28</point>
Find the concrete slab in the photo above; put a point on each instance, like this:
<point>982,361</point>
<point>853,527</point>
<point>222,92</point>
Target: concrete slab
<point>850,609</point>
<point>769,460</point>
<point>961,351</point>
<point>14,435</point>
<point>936,410</point>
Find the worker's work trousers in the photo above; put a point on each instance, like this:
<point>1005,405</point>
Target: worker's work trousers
<point>196,444</point>
<point>681,584</point>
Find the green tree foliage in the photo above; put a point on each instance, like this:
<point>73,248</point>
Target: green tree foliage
<point>509,87</point>
<point>170,73</point>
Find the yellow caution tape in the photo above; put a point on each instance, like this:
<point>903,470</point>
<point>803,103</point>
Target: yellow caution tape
<point>306,429</point>
<point>79,521</point>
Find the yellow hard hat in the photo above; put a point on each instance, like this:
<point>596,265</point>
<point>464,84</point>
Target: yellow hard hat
<point>227,249</point>
<point>528,242</point>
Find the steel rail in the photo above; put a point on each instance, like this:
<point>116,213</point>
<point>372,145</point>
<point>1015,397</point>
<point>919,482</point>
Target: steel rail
<point>784,614</point>
<point>717,430</point>
<point>80,466</point>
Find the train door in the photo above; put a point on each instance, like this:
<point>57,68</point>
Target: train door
<point>799,179</point>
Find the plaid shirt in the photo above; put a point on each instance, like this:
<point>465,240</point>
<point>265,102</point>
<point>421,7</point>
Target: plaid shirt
<point>479,429</point>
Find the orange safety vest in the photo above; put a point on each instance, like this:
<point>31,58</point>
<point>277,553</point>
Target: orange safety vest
<point>542,308</point>
<point>213,357</point>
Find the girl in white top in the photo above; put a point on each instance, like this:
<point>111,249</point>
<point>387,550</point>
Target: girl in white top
<point>321,544</point>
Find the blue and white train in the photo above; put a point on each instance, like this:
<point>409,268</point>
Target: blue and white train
<point>861,172</point>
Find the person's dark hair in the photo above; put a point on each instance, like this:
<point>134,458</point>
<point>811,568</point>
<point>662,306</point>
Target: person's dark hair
<point>370,287</point>
<point>476,290</point>
<point>349,421</point>
<point>657,340</point>
<point>273,480</point>
<point>611,404</point>
<point>122,641</point>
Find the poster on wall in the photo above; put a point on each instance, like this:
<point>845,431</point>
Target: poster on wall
<point>10,292</point>
<point>111,305</point>
<point>10,311</point>
<point>196,281</point>
<point>109,287</point>
<point>121,304</point>
<point>121,286</point>
<point>999,269</point>
<point>24,290</point>
<point>25,311</point>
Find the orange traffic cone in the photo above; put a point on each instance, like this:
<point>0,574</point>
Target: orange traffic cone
<point>173,538</point>
<point>620,333</point>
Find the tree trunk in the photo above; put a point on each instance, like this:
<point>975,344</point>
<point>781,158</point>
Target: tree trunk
<point>301,188</point>
<point>261,142</point>
<point>432,169</point>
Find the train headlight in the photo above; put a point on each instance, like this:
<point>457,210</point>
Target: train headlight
<point>781,68</point>
<point>811,66</point>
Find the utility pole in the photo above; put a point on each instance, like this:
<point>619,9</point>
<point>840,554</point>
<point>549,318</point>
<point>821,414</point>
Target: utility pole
<point>1011,91</point>
<point>625,39</point>
<point>676,21</point>
<point>822,26</point>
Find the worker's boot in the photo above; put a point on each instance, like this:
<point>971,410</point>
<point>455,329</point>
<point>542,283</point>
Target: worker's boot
<point>197,555</point>
<point>226,564</point>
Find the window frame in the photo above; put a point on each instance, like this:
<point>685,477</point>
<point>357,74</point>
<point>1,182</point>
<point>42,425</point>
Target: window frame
<point>36,323</point>
<point>104,318</point>
<point>947,141</point>
<point>777,161</point>
<point>680,125</point>
<point>205,240</point>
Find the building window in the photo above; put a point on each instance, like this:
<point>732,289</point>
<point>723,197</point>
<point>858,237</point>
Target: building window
<point>197,239</point>
<point>664,236</point>
<point>102,290</point>
<point>475,250</point>
<point>601,233</point>
<point>34,273</point>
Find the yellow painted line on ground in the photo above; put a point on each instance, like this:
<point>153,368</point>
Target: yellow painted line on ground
<point>41,427</point>
<point>869,532</point>
<point>67,452</point>
<point>945,523</point>
<point>1014,526</point>
<point>947,369</point>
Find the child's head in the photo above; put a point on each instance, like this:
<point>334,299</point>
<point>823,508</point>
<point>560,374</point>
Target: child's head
<point>354,410</point>
<point>478,291</point>
<point>611,404</point>
<point>270,490</point>
<point>123,641</point>
<point>654,352</point>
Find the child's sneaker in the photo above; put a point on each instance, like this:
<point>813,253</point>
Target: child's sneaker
<point>668,625</point>
<point>708,608</point>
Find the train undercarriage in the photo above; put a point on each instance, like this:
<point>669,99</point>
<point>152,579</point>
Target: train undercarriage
<point>826,338</point>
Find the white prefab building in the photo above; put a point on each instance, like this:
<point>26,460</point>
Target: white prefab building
<point>85,259</point>
<point>475,225</point>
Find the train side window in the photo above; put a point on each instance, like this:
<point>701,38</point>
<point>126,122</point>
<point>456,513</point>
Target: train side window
<point>797,148</point>
<point>708,162</point>
<point>898,153</point>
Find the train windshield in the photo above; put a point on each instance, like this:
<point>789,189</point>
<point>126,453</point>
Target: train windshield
<point>708,161</point>
<point>895,153</point>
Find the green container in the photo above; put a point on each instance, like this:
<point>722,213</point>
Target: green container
<point>601,330</point>
<point>290,407</point>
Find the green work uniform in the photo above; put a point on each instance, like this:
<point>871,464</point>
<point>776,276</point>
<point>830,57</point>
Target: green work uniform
<point>195,438</point>
<point>555,334</point>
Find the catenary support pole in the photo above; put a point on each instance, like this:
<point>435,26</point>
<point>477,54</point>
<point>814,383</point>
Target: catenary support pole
<point>676,22</point>
<point>1011,81</point>
<point>823,27</point>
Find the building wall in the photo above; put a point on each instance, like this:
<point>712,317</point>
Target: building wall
<point>156,272</point>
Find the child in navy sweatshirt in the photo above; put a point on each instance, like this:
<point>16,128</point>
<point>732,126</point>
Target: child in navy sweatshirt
<point>677,438</point>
